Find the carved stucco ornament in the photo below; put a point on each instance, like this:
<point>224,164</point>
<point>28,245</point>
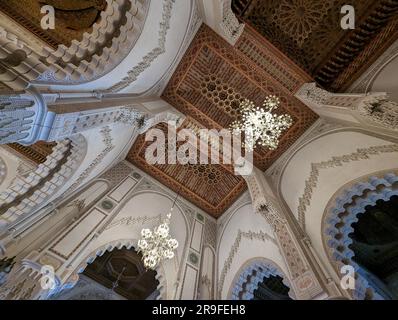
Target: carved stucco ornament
<point>304,281</point>
<point>381,110</point>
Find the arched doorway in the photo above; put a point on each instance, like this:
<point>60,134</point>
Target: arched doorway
<point>375,245</point>
<point>116,275</point>
<point>360,229</point>
<point>261,280</point>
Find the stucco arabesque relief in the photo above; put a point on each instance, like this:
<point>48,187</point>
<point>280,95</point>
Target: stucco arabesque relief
<point>250,235</point>
<point>152,55</point>
<point>109,146</point>
<point>338,161</point>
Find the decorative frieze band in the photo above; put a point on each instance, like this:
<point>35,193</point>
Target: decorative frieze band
<point>312,180</point>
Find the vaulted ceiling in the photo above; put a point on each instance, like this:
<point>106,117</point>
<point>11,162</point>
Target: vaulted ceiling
<point>208,86</point>
<point>72,17</point>
<point>285,43</point>
<point>309,32</point>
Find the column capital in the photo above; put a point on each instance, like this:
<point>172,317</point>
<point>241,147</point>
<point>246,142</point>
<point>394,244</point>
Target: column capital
<point>374,111</point>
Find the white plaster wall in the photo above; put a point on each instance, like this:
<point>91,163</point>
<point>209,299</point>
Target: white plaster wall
<point>245,220</point>
<point>381,76</point>
<point>12,162</point>
<point>387,80</point>
<point>206,287</point>
<point>338,145</point>
<point>55,223</point>
<point>147,42</point>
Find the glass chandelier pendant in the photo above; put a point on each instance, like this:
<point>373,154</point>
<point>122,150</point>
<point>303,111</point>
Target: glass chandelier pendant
<point>157,244</point>
<point>260,125</point>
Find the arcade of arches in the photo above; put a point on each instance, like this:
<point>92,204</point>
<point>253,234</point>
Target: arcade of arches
<point>77,185</point>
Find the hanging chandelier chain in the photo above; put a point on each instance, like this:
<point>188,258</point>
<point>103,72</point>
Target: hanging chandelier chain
<point>157,244</point>
<point>115,284</point>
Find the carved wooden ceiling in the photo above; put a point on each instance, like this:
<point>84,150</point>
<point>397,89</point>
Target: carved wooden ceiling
<point>210,81</point>
<point>135,282</point>
<point>309,32</point>
<point>37,152</point>
<point>72,17</point>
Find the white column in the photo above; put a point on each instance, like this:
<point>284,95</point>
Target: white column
<point>218,15</point>
<point>307,281</point>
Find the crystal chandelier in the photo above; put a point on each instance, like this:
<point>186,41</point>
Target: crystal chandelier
<point>157,244</point>
<point>260,125</point>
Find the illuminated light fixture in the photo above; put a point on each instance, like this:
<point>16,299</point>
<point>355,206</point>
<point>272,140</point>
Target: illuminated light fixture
<point>260,125</point>
<point>157,244</point>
